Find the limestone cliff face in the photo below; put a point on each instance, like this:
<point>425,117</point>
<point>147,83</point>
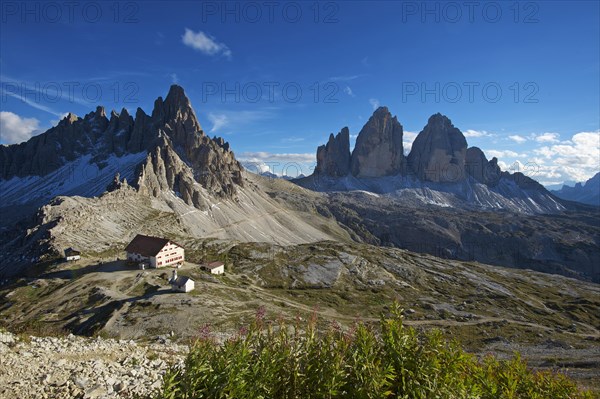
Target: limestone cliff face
<point>378,150</point>
<point>438,152</point>
<point>163,170</point>
<point>65,142</point>
<point>482,170</point>
<point>183,142</point>
<point>333,159</point>
<point>489,173</point>
<point>171,135</point>
<point>119,131</point>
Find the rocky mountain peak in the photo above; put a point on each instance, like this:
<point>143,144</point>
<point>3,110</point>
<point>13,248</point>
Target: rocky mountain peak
<point>333,159</point>
<point>205,162</point>
<point>439,120</point>
<point>159,109</point>
<point>379,150</point>
<point>482,170</point>
<point>439,151</point>
<point>177,97</point>
<point>177,119</point>
<point>178,106</point>
<point>125,118</point>
<point>69,119</point>
<point>139,113</point>
<point>382,111</point>
<point>100,112</point>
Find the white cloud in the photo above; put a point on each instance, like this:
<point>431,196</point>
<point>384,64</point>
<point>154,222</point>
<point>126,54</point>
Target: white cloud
<point>503,154</point>
<point>576,159</point>
<point>476,133</point>
<point>407,139</point>
<point>546,137</point>
<point>174,78</point>
<point>235,121</point>
<point>515,166</point>
<point>349,92</point>
<point>14,129</point>
<point>374,103</point>
<point>204,43</point>
<point>529,169</point>
<point>344,78</point>
<point>256,166</point>
<point>583,146</point>
<point>288,157</point>
<point>218,120</point>
<point>517,139</point>
<point>290,164</point>
<point>553,161</point>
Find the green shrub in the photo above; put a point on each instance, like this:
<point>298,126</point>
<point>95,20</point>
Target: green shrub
<point>283,361</point>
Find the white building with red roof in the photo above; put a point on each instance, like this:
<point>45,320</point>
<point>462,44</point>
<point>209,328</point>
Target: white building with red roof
<point>214,267</point>
<point>158,252</point>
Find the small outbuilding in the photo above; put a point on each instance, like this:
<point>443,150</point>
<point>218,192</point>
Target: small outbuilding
<point>71,255</point>
<point>181,283</point>
<point>214,267</point>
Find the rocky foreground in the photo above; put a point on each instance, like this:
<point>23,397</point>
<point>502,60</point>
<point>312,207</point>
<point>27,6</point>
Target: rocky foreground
<point>76,367</point>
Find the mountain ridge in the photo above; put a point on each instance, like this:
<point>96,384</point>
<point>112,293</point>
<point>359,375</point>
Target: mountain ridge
<point>174,180</point>
<point>440,160</point>
<point>587,192</point>
<point>172,127</point>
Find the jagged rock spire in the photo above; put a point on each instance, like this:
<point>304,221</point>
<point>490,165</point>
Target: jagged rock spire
<point>438,152</point>
<point>482,170</point>
<point>333,159</point>
<point>205,162</point>
<point>378,150</point>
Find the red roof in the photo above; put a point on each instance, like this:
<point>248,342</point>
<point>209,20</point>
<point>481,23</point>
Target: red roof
<point>213,265</point>
<point>146,245</point>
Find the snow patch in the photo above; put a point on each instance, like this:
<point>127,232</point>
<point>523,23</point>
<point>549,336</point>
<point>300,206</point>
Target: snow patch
<point>81,177</point>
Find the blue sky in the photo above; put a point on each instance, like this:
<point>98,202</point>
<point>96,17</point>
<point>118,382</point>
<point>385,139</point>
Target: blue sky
<point>521,79</point>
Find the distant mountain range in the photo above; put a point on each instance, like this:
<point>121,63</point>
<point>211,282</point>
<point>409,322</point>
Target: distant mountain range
<point>586,193</point>
<point>440,169</point>
<point>80,156</point>
<point>96,181</point>
<point>93,182</point>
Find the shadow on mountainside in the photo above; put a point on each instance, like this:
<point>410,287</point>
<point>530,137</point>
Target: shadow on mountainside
<point>89,321</point>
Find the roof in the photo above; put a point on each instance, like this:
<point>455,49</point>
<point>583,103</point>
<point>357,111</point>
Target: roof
<point>180,281</point>
<point>146,245</point>
<point>213,265</point>
<point>71,252</point>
